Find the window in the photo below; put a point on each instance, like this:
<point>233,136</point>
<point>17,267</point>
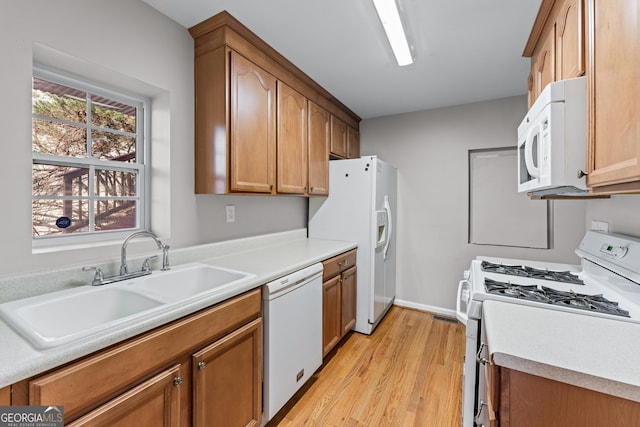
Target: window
<point>88,168</point>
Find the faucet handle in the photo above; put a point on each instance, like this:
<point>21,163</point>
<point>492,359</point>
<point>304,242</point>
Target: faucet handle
<point>165,258</point>
<point>146,265</point>
<point>98,277</point>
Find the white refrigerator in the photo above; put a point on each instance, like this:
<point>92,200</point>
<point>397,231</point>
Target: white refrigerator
<point>361,207</point>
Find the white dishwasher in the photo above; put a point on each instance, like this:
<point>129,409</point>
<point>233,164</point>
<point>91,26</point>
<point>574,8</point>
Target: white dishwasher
<point>292,335</point>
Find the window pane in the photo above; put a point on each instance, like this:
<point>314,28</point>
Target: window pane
<point>112,146</point>
<point>111,114</point>
<point>58,101</point>
<point>52,217</point>
<point>59,139</point>
<point>115,214</point>
<point>51,180</point>
<point>111,183</point>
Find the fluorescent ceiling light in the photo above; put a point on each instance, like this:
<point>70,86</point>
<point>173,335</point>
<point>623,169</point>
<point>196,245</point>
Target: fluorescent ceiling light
<point>390,18</point>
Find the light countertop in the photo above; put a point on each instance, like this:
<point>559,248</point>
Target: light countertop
<point>268,259</point>
<point>590,352</point>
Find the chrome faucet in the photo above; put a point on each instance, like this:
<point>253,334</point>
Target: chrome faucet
<point>124,270</point>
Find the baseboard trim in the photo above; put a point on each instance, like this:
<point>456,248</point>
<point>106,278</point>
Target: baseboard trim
<point>425,307</point>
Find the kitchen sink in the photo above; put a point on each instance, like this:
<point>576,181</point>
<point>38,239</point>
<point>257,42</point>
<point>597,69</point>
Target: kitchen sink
<point>191,280</point>
<point>53,319</point>
<point>57,318</point>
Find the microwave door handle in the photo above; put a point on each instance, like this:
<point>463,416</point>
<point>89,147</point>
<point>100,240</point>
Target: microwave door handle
<point>528,151</point>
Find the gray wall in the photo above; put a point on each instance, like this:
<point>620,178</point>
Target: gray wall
<point>621,212</point>
<point>430,149</point>
<point>132,46</point>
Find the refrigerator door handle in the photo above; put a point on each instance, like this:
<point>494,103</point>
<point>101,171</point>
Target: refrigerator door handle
<point>387,207</point>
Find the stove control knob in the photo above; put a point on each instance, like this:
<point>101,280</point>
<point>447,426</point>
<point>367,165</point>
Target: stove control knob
<point>466,274</point>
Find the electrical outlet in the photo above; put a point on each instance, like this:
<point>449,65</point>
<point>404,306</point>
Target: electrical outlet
<point>600,226</point>
<point>231,213</point>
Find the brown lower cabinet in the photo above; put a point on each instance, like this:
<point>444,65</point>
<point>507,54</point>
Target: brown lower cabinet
<point>339,293</point>
<point>202,370</point>
<point>5,396</point>
<point>523,400</point>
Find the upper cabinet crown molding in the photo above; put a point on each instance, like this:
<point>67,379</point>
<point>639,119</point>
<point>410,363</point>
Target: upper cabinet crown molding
<point>224,29</point>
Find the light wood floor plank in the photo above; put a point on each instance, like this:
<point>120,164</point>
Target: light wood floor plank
<point>407,373</point>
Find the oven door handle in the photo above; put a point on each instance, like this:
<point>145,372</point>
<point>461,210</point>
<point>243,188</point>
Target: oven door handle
<point>459,314</point>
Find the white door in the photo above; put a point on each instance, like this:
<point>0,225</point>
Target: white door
<point>384,258</point>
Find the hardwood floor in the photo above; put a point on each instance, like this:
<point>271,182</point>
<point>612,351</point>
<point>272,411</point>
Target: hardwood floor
<point>407,373</point>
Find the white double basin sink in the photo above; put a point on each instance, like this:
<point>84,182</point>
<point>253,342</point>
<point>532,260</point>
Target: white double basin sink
<point>61,317</point>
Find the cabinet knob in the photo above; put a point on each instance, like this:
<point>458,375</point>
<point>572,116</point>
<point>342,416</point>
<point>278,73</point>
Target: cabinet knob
<point>582,173</point>
<point>312,189</point>
<point>177,381</point>
<point>202,365</point>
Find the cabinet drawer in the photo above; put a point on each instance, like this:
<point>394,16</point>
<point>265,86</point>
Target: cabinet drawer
<point>338,264</point>
<point>83,385</point>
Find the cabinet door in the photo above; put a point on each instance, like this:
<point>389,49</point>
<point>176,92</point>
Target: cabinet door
<point>155,402</point>
<point>227,380</point>
<point>353,143</point>
<point>5,396</point>
<point>613,93</point>
<point>543,64</point>
<point>292,141</point>
<point>570,40</point>
<point>331,307</point>
<point>253,127</point>
<point>338,137</point>
<point>319,140</point>
<point>349,289</point>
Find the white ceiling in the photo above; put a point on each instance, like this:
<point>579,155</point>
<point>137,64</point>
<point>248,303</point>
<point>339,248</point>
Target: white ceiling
<point>466,50</point>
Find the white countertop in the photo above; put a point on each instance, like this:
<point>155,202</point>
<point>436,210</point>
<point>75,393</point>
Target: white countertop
<point>585,351</point>
<point>267,259</point>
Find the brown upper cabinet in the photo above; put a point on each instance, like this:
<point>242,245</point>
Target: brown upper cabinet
<point>262,126</point>
<point>345,140</point>
<point>556,44</point>
<point>571,38</point>
<point>292,141</point>
<point>252,150</point>
<point>613,91</point>
<point>319,141</point>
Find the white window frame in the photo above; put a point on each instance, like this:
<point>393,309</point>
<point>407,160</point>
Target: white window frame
<point>141,167</point>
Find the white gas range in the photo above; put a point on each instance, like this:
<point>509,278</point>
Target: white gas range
<point>606,284</point>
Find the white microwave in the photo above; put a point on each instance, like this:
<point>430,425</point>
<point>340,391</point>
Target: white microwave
<point>552,140</point>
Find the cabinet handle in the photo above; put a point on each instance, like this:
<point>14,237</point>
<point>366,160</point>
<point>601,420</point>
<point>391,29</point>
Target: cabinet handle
<point>271,187</point>
<point>305,188</point>
<point>343,263</point>
<point>312,189</point>
<point>177,381</point>
<point>582,173</point>
<point>479,358</point>
<point>202,365</point>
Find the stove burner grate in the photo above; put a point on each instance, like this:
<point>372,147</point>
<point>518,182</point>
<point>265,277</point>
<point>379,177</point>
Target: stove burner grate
<point>534,273</point>
<point>593,303</point>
